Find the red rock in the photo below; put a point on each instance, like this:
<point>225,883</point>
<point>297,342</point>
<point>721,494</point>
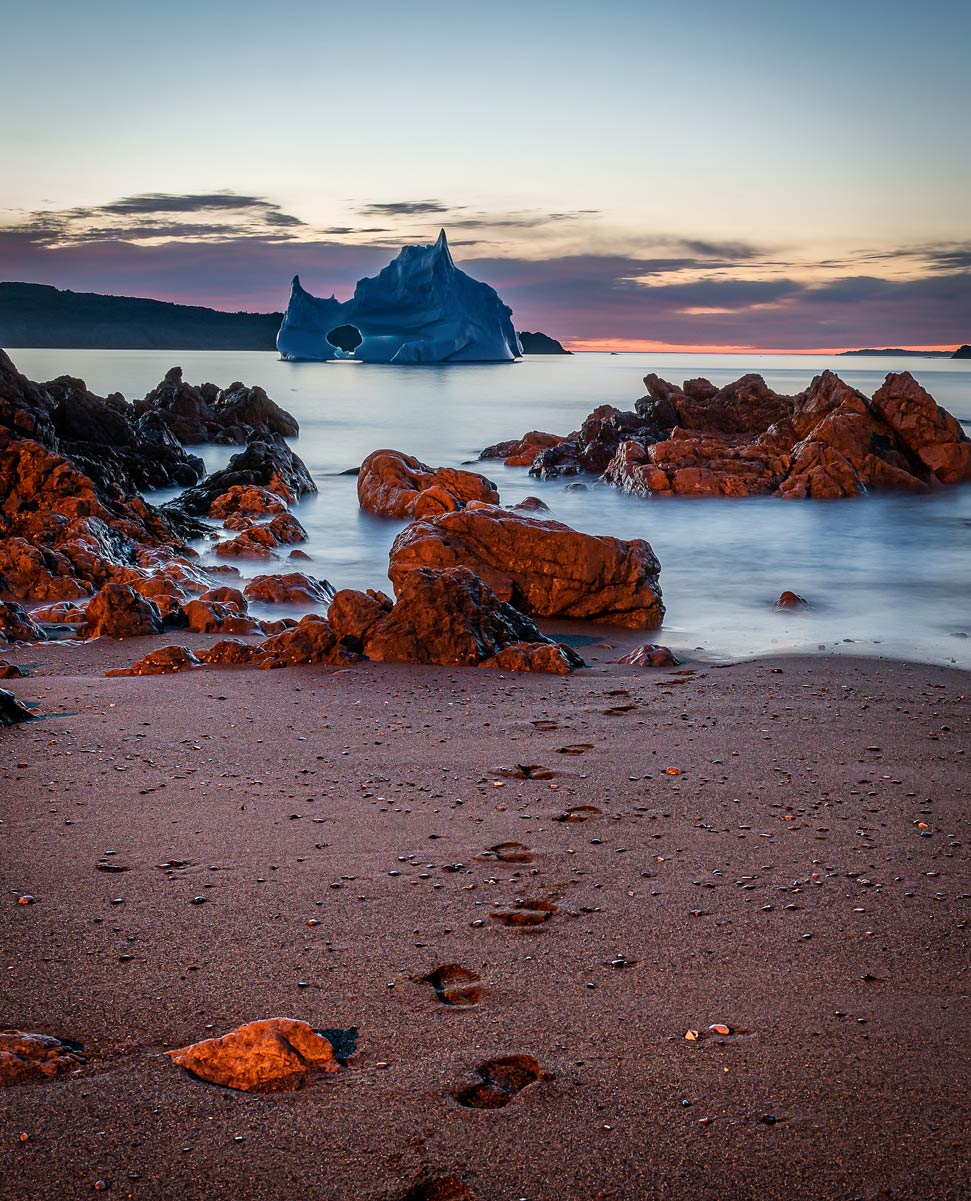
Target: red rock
<point>309,641</point>
<point>925,429</point>
<point>26,1058</point>
<point>292,589</point>
<point>648,654</point>
<point>226,596</point>
<point>218,617</point>
<point>229,653</point>
<point>117,611</point>
<point>249,500</point>
<point>390,484</point>
<point>520,452</point>
<point>542,566</point>
<point>11,671</point>
<point>161,662</point>
<point>66,612</point>
<point>532,656</point>
<point>274,1055</point>
<point>352,614</point>
<point>791,600</point>
<point>451,617</point>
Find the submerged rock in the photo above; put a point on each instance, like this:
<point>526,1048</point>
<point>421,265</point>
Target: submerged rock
<point>210,414</point>
<point>392,484</point>
<point>539,565</point>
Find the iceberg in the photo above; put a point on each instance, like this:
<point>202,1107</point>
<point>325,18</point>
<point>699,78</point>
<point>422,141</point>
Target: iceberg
<point>419,309</point>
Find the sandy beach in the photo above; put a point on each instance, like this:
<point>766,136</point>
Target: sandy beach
<point>775,846</point>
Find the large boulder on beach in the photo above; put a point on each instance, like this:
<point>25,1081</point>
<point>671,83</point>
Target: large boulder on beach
<point>448,617</point>
<point>118,611</point>
<point>392,484</point>
<point>541,566</point>
<point>273,1055</point>
<point>294,588</point>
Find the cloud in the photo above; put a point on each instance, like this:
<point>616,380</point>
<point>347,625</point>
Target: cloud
<point>405,208</point>
<point>163,215</point>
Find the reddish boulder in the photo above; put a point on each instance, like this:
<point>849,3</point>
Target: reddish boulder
<point>274,1055</point>
<point>247,500</point>
<point>541,566</point>
<point>352,614</point>
<point>229,653</point>
<point>520,452</point>
<point>648,654</point>
<point>118,611</point>
<point>60,612</point>
<point>927,431</point>
<point>392,484</point>
<point>11,671</point>
<point>162,662</point>
<point>218,617</point>
<point>27,1058</point>
<point>451,617</point>
<point>791,600</point>
<point>554,659</point>
<point>291,589</point>
<point>310,641</point>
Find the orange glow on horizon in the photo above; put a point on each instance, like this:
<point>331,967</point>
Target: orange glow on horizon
<point>645,346</point>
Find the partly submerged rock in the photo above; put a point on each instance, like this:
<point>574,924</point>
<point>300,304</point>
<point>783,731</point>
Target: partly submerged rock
<point>272,1055</point>
<point>294,588</point>
<point>392,484</point>
<point>118,611</point>
<point>267,462</point>
<point>210,414</point>
<point>539,565</point>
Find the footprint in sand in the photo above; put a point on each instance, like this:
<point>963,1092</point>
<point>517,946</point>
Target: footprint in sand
<point>439,1188</point>
<point>578,813</point>
<point>525,913</point>
<point>541,724</point>
<point>455,985</point>
<point>500,1081</point>
<point>508,852</point>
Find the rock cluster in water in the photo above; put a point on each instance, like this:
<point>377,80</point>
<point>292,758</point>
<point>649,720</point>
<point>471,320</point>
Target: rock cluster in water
<point>745,439</point>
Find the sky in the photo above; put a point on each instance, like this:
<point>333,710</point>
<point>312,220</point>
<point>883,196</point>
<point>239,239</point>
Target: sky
<point>701,175</point>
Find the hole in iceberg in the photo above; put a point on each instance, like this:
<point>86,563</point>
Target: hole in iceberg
<point>345,337</point>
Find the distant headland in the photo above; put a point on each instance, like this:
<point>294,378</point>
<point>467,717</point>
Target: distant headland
<point>962,352</point>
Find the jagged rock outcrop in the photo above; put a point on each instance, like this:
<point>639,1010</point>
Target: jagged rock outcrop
<point>392,484</point>
<point>26,1058</point>
<point>448,617</point>
<point>541,566</point>
<point>538,343</point>
<point>744,439</point>
<point>118,611</point>
<point>206,413</point>
<point>12,712</point>
<point>267,462</point>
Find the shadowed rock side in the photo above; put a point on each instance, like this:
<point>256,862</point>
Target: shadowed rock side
<point>540,343</point>
<point>744,440</point>
<point>210,414</point>
<point>541,566</point>
<point>391,484</point>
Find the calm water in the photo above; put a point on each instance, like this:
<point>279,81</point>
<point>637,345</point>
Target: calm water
<point>886,574</point>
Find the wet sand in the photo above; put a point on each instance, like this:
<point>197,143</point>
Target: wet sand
<point>779,884</point>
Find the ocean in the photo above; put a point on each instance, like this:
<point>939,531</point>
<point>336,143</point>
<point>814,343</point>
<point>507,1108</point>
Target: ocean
<point>885,574</point>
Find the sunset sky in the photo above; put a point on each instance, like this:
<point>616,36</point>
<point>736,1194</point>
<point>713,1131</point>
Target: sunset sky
<point>749,175</point>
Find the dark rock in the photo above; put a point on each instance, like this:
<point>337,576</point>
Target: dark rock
<point>540,344</point>
<point>118,611</point>
<point>267,462</point>
<point>11,712</point>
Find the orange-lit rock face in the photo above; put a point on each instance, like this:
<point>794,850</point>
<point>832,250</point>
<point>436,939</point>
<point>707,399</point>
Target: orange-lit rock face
<point>26,1058</point>
<point>541,566</point>
<point>392,484</point>
<point>274,1055</point>
<point>746,440</point>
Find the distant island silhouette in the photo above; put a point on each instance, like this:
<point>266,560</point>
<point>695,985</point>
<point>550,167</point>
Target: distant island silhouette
<point>920,354</point>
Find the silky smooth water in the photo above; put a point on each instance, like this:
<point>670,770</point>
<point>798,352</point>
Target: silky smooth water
<point>887,574</point>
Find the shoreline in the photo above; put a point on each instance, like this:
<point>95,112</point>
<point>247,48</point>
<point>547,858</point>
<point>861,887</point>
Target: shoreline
<point>851,1038</point>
